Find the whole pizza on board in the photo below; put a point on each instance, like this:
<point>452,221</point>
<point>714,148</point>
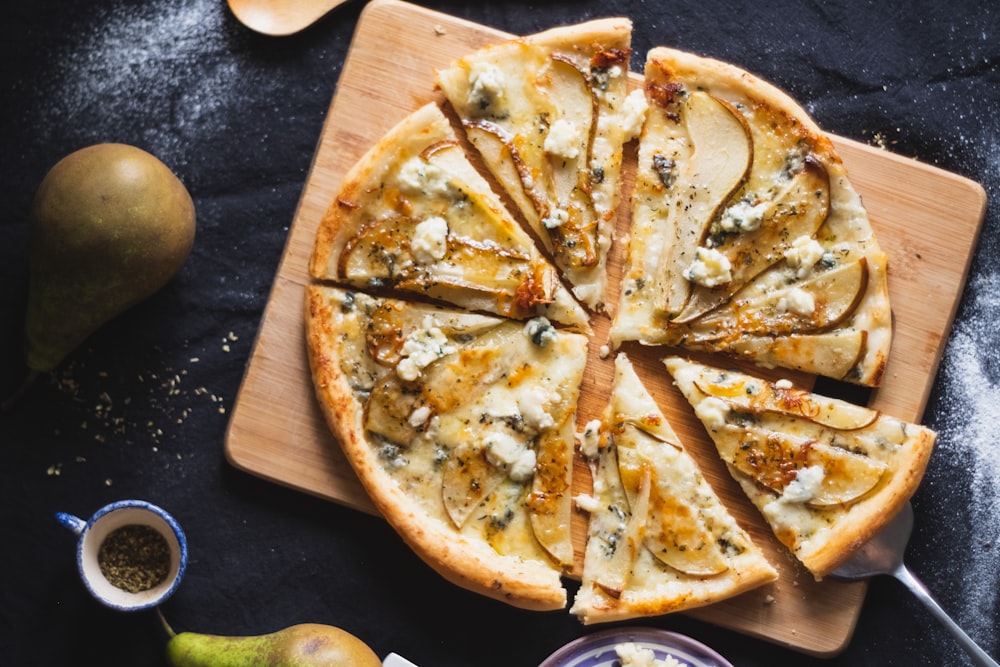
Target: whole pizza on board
<point>455,279</point>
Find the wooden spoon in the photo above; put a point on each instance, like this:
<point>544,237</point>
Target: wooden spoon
<point>281,17</point>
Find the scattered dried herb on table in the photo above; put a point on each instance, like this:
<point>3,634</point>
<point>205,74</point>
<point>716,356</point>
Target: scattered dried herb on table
<point>134,558</point>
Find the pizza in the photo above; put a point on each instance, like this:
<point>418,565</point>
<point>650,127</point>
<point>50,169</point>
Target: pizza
<point>659,539</point>
<point>549,114</point>
<point>414,215</point>
<point>825,474</point>
<point>747,237</point>
<point>461,428</point>
<point>458,272</point>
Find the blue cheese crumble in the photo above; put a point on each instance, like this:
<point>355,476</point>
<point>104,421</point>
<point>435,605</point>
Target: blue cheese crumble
<point>421,348</point>
<point>709,268</point>
<point>430,240</point>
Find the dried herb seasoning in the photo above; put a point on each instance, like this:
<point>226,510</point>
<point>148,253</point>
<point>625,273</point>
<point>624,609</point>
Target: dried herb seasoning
<point>134,558</point>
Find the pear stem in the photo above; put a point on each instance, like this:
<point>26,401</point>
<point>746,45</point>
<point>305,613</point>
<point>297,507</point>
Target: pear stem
<point>166,626</point>
<point>11,400</point>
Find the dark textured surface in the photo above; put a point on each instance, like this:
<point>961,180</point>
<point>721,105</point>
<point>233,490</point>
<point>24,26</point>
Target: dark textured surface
<point>141,409</point>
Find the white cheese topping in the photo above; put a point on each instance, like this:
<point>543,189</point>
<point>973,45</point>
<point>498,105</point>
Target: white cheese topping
<point>486,84</point>
<point>634,114</point>
<point>533,405</point>
<point>417,176</point>
<point>556,218</point>
<point>743,217</point>
<point>590,438</point>
<point>419,416</point>
<point>709,268</point>
<point>506,452</point>
<point>712,412</point>
<point>789,511</point>
<point>430,240</point>
<point>587,502</point>
<point>806,485</point>
<point>797,301</point>
<point>803,254</point>
<point>421,348</point>
<point>563,139</point>
<point>540,331</point>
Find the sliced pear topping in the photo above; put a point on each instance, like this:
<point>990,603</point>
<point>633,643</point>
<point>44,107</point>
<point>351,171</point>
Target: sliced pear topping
<point>550,504</point>
<point>797,210</point>
<point>723,153</point>
<point>387,411</point>
<point>835,354</point>
<point>467,478</point>
<point>498,149</point>
<point>615,573</point>
<point>675,531</point>
<point>757,397</point>
<point>774,460</point>
<point>771,433</point>
<point>573,226</point>
<point>833,295</point>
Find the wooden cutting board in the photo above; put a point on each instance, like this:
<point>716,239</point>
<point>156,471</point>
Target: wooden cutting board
<point>926,219</point>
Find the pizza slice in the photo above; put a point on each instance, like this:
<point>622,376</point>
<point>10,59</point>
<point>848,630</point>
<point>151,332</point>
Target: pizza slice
<point>747,237</point>
<point>549,114</point>
<point>414,215</point>
<point>460,427</point>
<point>825,474</point>
<point>659,539</point>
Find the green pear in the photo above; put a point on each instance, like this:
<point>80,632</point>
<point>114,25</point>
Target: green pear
<point>304,645</point>
<point>110,225</point>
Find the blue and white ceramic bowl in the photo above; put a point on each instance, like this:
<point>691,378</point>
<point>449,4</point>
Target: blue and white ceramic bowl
<point>109,518</point>
<point>598,649</point>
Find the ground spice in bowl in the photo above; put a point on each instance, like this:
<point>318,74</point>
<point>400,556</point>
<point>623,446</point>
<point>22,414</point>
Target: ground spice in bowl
<point>134,558</point>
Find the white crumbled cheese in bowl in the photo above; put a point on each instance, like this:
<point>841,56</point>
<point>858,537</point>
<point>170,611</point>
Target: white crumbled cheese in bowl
<point>632,654</point>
